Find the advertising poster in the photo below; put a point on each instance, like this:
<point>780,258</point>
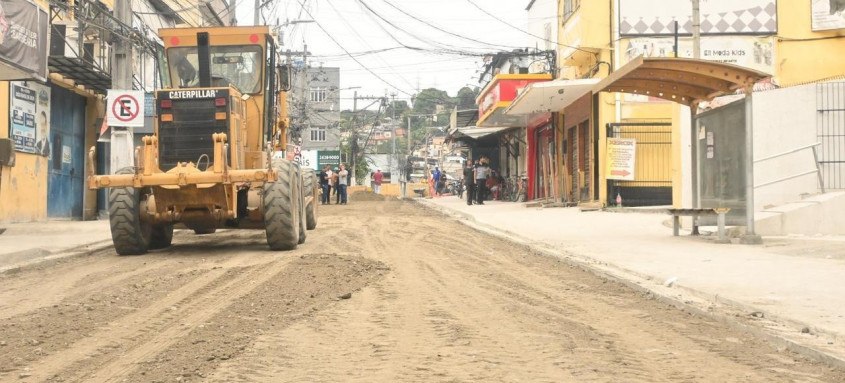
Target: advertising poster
<point>23,40</point>
<point>828,14</point>
<point>29,117</point>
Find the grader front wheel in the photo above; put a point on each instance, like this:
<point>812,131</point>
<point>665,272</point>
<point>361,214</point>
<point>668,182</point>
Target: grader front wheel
<point>131,235</point>
<point>281,208</point>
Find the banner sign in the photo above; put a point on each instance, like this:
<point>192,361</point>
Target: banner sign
<point>328,157</point>
<point>657,17</point>
<point>828,14</point>
<point>751,52</point>
<point>29,117</point>
<point>23,41</point>
<point>621,158</point>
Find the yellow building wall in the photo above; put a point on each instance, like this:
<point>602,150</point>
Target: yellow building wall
<point>23,187</point>
<point>803,55</point>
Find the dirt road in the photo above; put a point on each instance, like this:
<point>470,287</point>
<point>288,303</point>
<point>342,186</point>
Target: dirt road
<point>431,300</point>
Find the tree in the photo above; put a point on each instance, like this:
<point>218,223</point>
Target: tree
<point>466,97</point>
<point>427,100</point>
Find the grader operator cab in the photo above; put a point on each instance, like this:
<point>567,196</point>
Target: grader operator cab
<point>210,164</point>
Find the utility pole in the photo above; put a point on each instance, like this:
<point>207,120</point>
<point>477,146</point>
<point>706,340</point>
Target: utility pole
<point>233,20</point>
<point>393,133</point>
<point>303,91</point>
<point>121,143</point>
<point>257,11</point>
<point>696,29</point>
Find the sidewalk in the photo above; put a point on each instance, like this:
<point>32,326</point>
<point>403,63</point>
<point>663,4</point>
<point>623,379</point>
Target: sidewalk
<point>792,282</point>
<point>22,243</point>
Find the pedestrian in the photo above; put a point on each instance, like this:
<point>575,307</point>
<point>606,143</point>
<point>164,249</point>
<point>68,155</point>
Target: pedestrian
<point>329,186</point>
<point>342,182</point>
<point>378,177</point>
<point>436,176</point>
<point>481,173</point>
<point>469,181</point>
<point>335,183</point>
<point>324,184</point>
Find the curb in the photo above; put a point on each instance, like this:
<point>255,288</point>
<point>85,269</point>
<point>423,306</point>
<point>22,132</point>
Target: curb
<point>55,256</point>
<point>777,331</point>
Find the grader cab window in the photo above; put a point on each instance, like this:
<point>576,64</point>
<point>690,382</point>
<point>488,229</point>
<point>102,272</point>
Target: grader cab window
<point>239,65</point>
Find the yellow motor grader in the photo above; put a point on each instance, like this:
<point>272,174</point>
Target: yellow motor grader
<point>213,162</point>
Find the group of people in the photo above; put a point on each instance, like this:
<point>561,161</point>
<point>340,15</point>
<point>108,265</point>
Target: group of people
<point>334,180</point>
<point>480,181</point>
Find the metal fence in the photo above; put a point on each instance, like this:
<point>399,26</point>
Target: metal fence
<point>830,128</point>
<point>652,184</point>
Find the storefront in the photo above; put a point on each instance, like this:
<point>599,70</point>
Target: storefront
<point>559,138</point>
<point>580,159</point>
<point>516,150</point>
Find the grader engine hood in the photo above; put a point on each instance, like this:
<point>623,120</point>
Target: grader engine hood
<point>187,120</point>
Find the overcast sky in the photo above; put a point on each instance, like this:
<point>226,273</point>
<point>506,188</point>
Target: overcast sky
<point>445,61</point>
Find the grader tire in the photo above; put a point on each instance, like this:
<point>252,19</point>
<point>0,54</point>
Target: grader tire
<point>311,213</point>
<point>281,214</point>
<point>303,232</point>
<point>309,181</point>
<point>130,235</point>
<point>161,237</point>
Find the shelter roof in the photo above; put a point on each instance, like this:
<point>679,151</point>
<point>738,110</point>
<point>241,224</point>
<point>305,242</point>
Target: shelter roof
<point>682,80</point>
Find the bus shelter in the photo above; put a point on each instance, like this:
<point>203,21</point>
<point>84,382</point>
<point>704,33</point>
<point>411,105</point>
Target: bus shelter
<point>722,145</point>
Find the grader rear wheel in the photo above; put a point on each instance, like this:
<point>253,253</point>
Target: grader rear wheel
<point>309,187</point>
<point>311,214</point>
<point>303,232</point>
<point>130,234</point>
<point>161,237</point>
<point>281,214</point>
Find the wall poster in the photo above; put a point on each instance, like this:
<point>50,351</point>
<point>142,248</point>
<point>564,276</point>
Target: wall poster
<point>828,14</point>
<point>29,117</point>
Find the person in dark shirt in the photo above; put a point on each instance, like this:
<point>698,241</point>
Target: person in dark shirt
<point>469,181</point>
<point>324,184</point>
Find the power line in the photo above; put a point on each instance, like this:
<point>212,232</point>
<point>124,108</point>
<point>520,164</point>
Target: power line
<point>523,31</point>
<point>441,29</point>
<point>347,52</point>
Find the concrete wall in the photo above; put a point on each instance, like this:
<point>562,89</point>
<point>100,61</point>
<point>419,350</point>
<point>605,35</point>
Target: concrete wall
<point>784,119</point>
<point>821,214</point>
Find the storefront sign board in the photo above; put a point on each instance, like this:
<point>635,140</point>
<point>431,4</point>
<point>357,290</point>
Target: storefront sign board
<point>621,158</point>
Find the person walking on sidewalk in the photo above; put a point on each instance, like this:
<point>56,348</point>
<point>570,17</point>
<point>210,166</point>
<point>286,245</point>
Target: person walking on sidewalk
<point>342,180</point>
<point>436,176</point>
<point>324,184</point>
<point>469,182</point>
<point>378,177</point>
<point>481,173</point>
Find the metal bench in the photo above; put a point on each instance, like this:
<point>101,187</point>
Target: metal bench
<point>695,213</point>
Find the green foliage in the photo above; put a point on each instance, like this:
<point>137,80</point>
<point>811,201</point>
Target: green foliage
<point>466,97</point>
<point>427,100</point>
